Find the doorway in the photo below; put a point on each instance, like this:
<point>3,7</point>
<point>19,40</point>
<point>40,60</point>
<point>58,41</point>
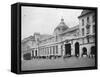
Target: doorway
<point>93,51</point>
<point>77,49</point>
<point>84,51</point>
<point>68,49</point>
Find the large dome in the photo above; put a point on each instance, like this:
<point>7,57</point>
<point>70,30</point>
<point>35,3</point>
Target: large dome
<point>61,27</point>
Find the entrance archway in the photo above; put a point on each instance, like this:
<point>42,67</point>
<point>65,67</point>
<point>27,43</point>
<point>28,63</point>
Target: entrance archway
<point>68,49</point>
<point>76,49</point>
<point>84,51</point>
<point>93,51</point>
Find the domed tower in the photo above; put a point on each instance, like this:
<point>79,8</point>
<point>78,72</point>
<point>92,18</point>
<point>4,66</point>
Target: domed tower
<point>60,28</point>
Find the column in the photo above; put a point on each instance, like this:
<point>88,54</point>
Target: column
<point>61,50</point>
<point>56,50</point>
<point>53,50</point>
<point>38,51</point>
<point>50,50</point>
<point>44,52</point>
<point>22,57</point>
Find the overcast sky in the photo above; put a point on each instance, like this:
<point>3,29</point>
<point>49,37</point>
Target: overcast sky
<point>44,20</point>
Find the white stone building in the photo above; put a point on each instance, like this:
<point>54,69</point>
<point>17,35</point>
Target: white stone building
<point>76,41</point>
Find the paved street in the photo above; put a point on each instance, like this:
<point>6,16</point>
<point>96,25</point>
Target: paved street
<point>71,62</point>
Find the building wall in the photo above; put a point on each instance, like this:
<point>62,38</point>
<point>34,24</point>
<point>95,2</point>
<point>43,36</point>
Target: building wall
<point>91,23</point>
<point>88,47</point>
<point>55,45</point>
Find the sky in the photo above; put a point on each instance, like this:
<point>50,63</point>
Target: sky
<point>45,20</point>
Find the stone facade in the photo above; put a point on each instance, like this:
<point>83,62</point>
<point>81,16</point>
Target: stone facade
<point>76,41</point>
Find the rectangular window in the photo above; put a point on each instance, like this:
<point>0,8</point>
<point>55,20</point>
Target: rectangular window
<point>82,22</point>
<point>87,19</point>
<point>56,38</point>
<point>93,18</point>
<point>47,50</point>
<point>50,50</point>
<point>56,49</point>
<point>88,40</point>
<point>83,40</point>
<point>83,32</point>
<point>88,30</point>
<point>93,28</point>
<point>53,49</point>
